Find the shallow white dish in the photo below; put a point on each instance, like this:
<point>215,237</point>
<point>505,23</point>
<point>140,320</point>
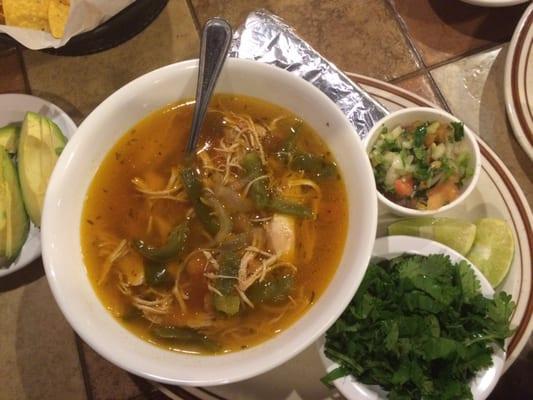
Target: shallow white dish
<point>13,108</point>
<point>393,246</point>
<point>62,254</point>
<point>518,82</point>
<point>407,116</point>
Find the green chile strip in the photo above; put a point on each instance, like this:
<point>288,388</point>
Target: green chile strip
<point>183,335</point>
<point>261,195</point>
<point>171,249</point>
<point>314,165</point>
<point>229,302</point>
<point>284,206</point>
<point>258,190</point>
<point>193,187</point>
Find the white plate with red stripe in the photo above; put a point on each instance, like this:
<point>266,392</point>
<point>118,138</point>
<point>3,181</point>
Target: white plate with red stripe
<point>518,82</point>
<point>497,195</point>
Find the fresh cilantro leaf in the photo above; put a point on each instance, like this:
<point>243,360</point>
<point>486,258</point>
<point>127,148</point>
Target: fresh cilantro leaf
<point>435,348</point>
<point>422,171</point>
<point>390,145</point>
<point>420,153</point>
<point>391,340</point>
<point>418,301</point>
<point>433,325</point>
<point>401,375</point>
<point>458,130</point>
<point>501,308</point>
<point>363,307</point>
<point>420,134</point>
<point>468,282</point>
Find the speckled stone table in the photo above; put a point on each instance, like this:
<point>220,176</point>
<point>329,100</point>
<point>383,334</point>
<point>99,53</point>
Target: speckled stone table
<point>446,51</point>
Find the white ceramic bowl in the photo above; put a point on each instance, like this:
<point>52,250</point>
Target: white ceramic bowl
<point>407,116</point>
<point>393,246</point>
<point>62,254</point>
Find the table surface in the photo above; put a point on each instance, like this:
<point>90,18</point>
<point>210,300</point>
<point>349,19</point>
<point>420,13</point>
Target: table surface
<point>446,51</point>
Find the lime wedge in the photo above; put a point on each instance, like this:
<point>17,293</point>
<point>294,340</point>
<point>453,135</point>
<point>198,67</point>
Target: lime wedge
<point>454,233</point>
<point>493,249</point>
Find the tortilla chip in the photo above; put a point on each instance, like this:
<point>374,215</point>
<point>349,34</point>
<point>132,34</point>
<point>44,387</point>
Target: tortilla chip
<point>58,11</point>
<point>2,19</point>
<point>32,14</point>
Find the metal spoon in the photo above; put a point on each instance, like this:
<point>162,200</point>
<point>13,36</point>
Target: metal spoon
<point>216,38</point>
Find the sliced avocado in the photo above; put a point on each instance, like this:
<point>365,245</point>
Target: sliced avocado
<point>9,137</point>
<point>14,223</point>
<point>40,144</point>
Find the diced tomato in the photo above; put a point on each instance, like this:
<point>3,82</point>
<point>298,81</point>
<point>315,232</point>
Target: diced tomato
<point>404,186</point>
<point>442,194</point>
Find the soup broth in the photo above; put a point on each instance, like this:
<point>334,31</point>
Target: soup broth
<point>222,252</point>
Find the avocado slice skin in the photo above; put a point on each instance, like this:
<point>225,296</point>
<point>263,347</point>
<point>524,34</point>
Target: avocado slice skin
<point>14,222</point>
<point>40,144</point>
<point>9,137</point>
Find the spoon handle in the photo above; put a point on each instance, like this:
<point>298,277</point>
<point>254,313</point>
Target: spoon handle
<point>216,39</point>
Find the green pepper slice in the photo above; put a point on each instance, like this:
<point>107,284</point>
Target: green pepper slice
<point>193,187</point>
<point>171,249</point>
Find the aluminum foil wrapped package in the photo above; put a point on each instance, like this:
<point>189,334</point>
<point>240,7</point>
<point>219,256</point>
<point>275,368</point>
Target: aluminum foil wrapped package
<point>266,38</point>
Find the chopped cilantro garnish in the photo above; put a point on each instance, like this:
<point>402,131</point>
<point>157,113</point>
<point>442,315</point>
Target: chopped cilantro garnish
<point>448,167</point>
<point>422,171</point>
<point>420,134</point>
<point>419,327</point>
<point>390,145</point>
<point>420,153</point>
<point>458,130</point>
<point>403,157</point>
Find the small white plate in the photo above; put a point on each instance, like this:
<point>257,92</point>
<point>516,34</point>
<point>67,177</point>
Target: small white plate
<point>392,246</point>
<point>494,3</point>
<point>518,82</point>
<point>13,108</point>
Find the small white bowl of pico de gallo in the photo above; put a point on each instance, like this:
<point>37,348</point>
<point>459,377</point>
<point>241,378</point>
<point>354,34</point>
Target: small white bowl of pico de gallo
<point>425,161</point>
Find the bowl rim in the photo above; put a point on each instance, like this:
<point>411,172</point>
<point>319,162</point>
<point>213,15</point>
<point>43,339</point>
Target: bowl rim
<point>393,246</point>
<point>442,115</point>
<point>274,360</point>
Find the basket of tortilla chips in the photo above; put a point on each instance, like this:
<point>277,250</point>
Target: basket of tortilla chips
<point>43,15</point>
<point>39,24</point>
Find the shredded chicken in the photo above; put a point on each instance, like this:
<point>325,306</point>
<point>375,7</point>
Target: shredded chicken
<point>173,190</point>
<point>121,250</point>
<point>244,298</point>
<point>123,285</point>
<point>305,183</point>
<point>153,301</point>
<point>213,289</point>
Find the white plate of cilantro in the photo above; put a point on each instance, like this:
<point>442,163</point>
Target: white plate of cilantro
<point>424,323</point>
